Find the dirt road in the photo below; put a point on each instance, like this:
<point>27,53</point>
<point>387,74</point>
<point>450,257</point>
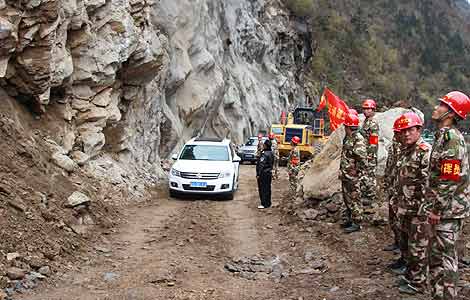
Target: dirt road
<point>184,249</point>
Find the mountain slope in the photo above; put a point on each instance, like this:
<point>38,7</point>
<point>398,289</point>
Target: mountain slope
<point>389,50</point>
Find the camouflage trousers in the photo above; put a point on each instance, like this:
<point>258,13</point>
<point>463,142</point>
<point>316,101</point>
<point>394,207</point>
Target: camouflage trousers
<point>276,167</point>
<point>369,186</point>
<point>417,231</point>
<point>293,182</point>
<point>352,200</point>
<point>393,219</point>
<point>444,260</point>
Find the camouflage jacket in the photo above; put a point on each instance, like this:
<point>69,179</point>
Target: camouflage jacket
<point>275,148</point>
<point>353,157</point>
<point>391,167</point>
<point>293,161</point>
<point>412,176</point>
<point>370,131</point>
<point>448,183</point>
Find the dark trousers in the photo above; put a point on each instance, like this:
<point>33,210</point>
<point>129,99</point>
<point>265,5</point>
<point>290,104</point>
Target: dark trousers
<point>264,188</point>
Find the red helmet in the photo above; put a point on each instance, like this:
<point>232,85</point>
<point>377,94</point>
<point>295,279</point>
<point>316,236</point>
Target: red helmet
<point>352,120</point>
<point>271,136</point>
<point>369,103</point>
<point>396,124</point>
<point>353,111</point>
<point>408,120</point>
<point>296,140</point>
<point>458,102</point>
<point>260,136</point>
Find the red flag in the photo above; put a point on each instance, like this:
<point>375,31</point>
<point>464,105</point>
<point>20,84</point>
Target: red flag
<point>337,108</point>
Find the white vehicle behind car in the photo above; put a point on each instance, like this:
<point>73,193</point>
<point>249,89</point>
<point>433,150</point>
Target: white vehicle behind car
<point>205,166</point>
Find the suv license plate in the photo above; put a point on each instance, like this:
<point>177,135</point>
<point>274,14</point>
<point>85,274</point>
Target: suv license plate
<point>199,184</point>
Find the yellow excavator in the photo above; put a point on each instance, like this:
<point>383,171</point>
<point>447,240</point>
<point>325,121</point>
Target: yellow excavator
<point>306,123</point>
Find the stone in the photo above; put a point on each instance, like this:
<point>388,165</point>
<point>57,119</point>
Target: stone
<point>332,207</point>
<point>15,273</point>
<point>110,276</point>
<point>45,270</point>
<point>103,98</point>
<point>310,214</point>
<point>3,295</point>
<point>17,204</point>
<point>92,142</point>
<point>81,105</point>
<point>68,142</point>
<point>77,198</point>
<point>63,161</point>
<point>92,115</point>
<point>82,92</point>
<point>79,157</point>
<point>102,249</point>
<point>13,256</point>
<point>35,275</point>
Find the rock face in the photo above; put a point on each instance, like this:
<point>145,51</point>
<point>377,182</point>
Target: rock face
<point>139,77</point>
<point>320,177</point>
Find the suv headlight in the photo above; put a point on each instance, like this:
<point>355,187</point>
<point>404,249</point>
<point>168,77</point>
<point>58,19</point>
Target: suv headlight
<point>175,172</point>
<point>225,174</point>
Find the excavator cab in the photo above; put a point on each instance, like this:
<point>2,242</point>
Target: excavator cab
<point>309,125</point>
<point>311,117</point>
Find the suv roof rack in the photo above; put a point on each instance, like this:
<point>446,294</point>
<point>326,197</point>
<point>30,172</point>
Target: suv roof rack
<point>209,139</point>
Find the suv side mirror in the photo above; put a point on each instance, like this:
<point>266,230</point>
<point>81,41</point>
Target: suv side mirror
<point>174,156</point>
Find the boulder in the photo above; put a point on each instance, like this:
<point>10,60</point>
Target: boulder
<point>64,162</point>
<point>16,273</point>
<point>93,142</point>
<point>321,176</point>
<point>76,199</point>
<point>79,157</point>
<point>68,141</point>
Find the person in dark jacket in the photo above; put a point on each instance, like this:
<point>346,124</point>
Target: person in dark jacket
<point>264,175</point>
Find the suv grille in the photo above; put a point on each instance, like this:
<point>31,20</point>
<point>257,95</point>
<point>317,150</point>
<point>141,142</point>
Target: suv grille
<point>205,176</point>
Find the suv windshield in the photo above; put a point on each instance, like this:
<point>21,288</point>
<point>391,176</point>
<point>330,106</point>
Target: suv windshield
<point>252,142</point>
<point>205,152</point>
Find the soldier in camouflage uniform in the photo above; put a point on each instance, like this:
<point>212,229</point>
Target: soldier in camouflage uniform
<point>390,188</point>
<point>293,165</point>
<point>275,150</point>
<point>447,194</point>
<point>352,166</point>
<point>370,131</point>
<point>412,175</point>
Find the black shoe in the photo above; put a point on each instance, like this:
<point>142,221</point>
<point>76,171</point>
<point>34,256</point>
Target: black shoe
<point>346,224</point>
<point>391,247</point>
<point>353,228</point>
<point>402,280</point>
<point>409,289</point>
<point>397,264</point>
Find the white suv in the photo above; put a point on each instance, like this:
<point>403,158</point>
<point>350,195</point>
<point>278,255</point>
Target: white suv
<point>205,166</point>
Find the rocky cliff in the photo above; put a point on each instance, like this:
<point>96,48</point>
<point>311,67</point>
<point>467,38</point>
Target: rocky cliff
<point>136,78</point>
